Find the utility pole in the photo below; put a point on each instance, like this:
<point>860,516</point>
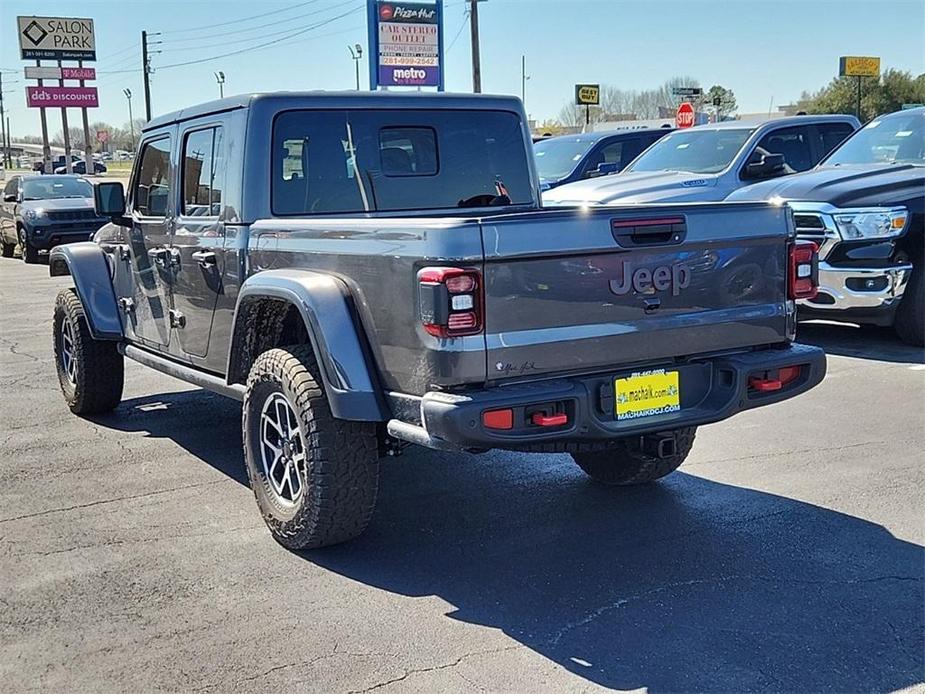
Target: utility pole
<point>146,68</point>
<point>6,148</point>
<point>220,78</point>
<point>476,59</point>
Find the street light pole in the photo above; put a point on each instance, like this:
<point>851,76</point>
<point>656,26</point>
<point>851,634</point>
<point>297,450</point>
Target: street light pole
<point>523,79</point>
<point>357,55</point>
<point>220,78</point>
<point>131,121</point>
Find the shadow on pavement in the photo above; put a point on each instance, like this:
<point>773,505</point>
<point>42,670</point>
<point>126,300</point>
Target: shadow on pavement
<point>869,342</point>
<point>685,585</point>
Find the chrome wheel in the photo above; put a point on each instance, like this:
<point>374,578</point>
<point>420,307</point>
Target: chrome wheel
<point>68,363</point>
<point>282,450</point>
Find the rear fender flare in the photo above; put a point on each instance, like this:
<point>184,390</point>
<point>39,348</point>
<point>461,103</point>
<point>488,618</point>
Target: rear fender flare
<point>86,263</point>
<point>325,305</point>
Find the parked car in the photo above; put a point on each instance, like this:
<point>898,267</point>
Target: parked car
<point>708,162</point>
<point>40,212</point>
<point>569,158</point>
<point>80,167</point>
<point>865,207</point>
<point>378,293</point>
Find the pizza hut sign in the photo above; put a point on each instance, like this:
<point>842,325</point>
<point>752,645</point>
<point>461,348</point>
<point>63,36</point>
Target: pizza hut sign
<point>409,53</point>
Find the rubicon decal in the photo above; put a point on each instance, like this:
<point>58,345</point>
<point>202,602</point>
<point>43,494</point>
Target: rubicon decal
<point>643,280</point>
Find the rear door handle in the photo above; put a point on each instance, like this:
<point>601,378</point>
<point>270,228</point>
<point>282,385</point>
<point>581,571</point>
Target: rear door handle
<point>159,255</point>
<point>205,259</point>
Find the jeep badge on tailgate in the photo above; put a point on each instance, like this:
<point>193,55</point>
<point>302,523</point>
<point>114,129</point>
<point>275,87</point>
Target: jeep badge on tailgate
<point>674,277</point>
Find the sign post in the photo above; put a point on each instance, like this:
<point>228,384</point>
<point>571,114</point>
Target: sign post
<point>59,39</point>
<point>405,44</point>
<point>859,66</point>
<point>685,115</point>
<point>587,95</point>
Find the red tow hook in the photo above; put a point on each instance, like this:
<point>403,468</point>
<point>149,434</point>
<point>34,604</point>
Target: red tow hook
<point>552,420</point>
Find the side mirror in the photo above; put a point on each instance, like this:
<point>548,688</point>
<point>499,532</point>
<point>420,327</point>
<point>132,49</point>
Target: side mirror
<point>768,165</point>
<point>10,198</point>
<point>109,201</point>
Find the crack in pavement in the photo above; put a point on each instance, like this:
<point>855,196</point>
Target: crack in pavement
<point>111,501</point>
<point>443,666</point>
<point>622,602</point>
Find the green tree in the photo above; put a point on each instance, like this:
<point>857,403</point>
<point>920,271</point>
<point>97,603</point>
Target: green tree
<point>727,100</point>
<point>878,96</point>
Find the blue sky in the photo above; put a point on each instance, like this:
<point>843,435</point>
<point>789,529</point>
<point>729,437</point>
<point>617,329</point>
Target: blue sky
<point>762,50</point>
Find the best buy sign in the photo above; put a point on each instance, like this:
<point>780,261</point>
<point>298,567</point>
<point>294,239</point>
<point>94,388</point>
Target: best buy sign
<point>588,94</point>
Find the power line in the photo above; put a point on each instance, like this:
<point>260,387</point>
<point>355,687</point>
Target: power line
<point>245,39</point>
<point>459,32</point>
<point>263,45</point>
<point>170,42</point>
<point>241,19</point>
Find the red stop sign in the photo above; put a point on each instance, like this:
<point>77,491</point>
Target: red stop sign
<point>685,116</point>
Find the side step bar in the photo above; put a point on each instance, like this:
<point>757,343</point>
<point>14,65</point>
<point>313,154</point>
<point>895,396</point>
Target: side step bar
<point>183,371</point>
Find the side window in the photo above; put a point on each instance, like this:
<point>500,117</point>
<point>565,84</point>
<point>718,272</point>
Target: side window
<point>408,151</point>
<point>152,188</point>
<point>793,143</point>
<point>313,165</point>
<point>831,135</point>
<point>203,173</point>
<point>12,187</point>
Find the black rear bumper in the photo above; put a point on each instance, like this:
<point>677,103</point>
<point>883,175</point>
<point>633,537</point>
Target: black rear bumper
<point>712,389</point>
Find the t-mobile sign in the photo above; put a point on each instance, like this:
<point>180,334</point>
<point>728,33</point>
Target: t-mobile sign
<point>408,45</point>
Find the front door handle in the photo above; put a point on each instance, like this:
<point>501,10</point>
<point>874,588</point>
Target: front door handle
<point>206,259</point>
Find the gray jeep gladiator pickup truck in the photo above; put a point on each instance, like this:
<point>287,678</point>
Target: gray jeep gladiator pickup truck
<point>365,271</point>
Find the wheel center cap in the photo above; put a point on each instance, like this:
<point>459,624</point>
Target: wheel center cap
<point>287,449</point>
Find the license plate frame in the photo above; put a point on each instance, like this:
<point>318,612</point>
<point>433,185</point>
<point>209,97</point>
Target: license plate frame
<point>646,394</point>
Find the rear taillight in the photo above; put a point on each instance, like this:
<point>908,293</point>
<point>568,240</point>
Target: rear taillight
<point>803,280</point>
<point>450,301</point>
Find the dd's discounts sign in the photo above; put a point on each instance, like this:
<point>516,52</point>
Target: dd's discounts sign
<point>409,52</point>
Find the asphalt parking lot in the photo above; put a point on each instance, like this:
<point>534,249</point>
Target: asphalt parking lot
<point>786,555</point>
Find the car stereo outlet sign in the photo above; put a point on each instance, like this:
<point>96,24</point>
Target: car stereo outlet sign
<point>409,54</point>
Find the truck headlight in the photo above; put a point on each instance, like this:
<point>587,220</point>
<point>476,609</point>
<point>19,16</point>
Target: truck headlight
<point>871,224</point>
<point>33,214</point>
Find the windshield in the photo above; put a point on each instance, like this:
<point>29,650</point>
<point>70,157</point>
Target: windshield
<point>694,151</point>
<point>895,139</point>
<point>51,187</point>
<point>558,157</point>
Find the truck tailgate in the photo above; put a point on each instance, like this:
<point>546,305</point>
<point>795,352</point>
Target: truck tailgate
<point>581,290</point>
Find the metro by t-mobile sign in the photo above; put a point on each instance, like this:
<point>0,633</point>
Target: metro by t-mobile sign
<point>407,44</point>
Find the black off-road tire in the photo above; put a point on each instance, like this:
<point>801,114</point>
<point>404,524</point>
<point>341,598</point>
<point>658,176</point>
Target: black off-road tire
<point>6,249</point>
<point>629,464</point>
<point>340,474</point>
<point>910,314</point>
<point>99,369</point>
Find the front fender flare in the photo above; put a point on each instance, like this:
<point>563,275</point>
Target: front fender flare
<point>86,263</point>
<point>325,305</point>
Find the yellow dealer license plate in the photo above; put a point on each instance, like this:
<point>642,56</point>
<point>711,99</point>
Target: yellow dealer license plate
<point>647,393</point>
